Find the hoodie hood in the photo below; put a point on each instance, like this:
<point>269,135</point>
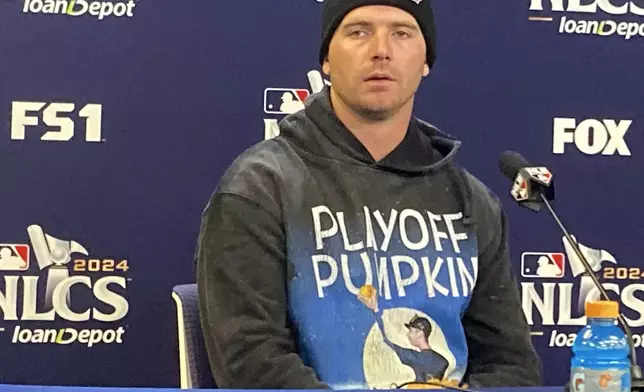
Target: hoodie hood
<point>317,132</point>
<point>425,148</point>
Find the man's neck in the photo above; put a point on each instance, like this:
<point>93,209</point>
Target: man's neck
<point>378,137</point>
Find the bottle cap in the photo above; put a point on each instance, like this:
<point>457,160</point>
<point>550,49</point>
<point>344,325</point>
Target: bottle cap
<point>602,309</point>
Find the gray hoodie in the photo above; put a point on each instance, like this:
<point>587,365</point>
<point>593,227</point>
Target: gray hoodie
<point>319,267</point>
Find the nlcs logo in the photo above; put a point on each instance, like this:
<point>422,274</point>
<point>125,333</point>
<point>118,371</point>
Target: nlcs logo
<point>607,6</point>
<point>569,24</point>
<point>54,255</point>
<point>58,118</point>
<point>591,137</point>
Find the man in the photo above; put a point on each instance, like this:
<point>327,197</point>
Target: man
<point>426,363</point>
<point>357,192</point>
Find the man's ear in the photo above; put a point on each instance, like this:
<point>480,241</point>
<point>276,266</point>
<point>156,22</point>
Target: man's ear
<point>326,67</point>
<point>425,69</point>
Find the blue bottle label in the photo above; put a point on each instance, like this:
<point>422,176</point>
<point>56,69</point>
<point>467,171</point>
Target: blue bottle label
<point>594,380</point>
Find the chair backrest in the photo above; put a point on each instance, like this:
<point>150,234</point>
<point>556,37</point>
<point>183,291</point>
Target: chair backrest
<point>194,367</point>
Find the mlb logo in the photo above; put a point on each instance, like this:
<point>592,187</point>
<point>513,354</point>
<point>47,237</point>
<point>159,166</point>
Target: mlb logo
<point>543,265</point>
<point>540,174</point>
<point>14,257</point>
<point>519,189</point>
<point>284,100</point>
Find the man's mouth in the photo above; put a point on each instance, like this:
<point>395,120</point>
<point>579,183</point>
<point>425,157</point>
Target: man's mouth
<point>379,77</point>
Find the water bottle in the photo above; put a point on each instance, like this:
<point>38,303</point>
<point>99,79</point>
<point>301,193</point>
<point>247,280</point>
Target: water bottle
<point>600,361</point>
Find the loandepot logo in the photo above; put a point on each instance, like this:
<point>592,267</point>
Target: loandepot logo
<point>98,9</point>
<point>592,17</point>
<point>68,286</point>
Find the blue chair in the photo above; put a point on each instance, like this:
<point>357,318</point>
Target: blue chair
<point>194,367</point>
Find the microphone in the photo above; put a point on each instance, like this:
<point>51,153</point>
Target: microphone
<point>533,188</point>
<point>531,183</point>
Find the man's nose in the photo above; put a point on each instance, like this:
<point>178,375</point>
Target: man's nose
<point>381,46</point>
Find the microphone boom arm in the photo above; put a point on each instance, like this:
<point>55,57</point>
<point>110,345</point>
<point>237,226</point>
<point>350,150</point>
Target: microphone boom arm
<point>636,371</point>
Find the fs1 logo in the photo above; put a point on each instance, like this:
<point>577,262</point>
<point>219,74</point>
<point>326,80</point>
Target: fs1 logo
<point>47,295</point>
<point>58,119</point>
<point>591,137</point>
<point>282,101</point>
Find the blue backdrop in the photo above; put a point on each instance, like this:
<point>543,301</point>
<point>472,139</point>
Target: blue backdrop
<point>120,117</point>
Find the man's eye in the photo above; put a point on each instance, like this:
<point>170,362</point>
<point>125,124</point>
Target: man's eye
<point>357,33</point>
<point>403,34</point>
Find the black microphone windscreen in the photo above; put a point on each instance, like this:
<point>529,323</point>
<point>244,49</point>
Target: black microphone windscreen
<point>510,164</point>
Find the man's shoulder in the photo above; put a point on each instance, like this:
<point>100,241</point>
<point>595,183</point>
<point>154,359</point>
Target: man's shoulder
<point>485,204</point>
<point>480,191</point>
<point>257,171</point>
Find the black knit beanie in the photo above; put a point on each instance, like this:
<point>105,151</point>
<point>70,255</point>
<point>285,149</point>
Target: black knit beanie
<point>336,10</point>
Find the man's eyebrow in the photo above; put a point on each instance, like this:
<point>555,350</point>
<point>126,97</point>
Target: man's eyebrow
<point>408,25</point>
<point>357,23</point>
<point>362,23</point>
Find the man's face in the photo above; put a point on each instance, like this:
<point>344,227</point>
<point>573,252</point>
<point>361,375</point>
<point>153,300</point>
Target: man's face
<point>416,336</point>
<point>376,60</point>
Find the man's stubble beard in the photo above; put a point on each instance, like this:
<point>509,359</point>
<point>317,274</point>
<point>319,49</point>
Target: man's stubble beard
<point>374,115</point>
